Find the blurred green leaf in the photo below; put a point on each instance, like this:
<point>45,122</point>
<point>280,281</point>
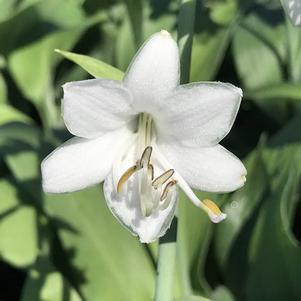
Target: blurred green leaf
<point>193,298</point>
<point>209,46</point>
<point>222,12</point>
<point>221,293</point>
<point>45,283</point>
<point>101,251</point>
<point>93,66</point>
<point>194,233</point>
<point>3,90</point>
<point>10,114</point>
<point>256,62</point>
<point>294,52</point>
<point>274,246</point>
<point>240,208</point>
<point>135,11</point>
<point>18,228</point>
<point>38,19</point>
<point>277,92</point>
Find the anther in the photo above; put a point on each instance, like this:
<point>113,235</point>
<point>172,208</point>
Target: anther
<point>151,171</point>
<point>213,211</point>
<point>129,172</point>
<point>163,178</point>
<point>167,189</point>
<point>145,158</point>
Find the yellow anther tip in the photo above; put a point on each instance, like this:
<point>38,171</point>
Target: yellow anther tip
<point>214,212</point>
<point>212,206</point>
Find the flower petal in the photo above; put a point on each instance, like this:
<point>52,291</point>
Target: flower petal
<point>80,162</point>
<point>154,71</point>
<point>211,169</point>
<point>127,209</point>
<point>93,107</point>
<point>126,206</point>
<point>199,114</point>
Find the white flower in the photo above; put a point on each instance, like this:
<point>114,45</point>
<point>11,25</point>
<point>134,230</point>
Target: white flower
<point>144,136</point>
<point>293,9</point>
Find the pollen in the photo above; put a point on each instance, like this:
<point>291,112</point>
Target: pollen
<point>212,206</point>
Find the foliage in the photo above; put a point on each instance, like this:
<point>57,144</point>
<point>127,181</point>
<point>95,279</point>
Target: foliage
<point>70,246</point>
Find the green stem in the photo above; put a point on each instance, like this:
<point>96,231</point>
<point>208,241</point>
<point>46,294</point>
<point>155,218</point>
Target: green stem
<point>166,264</point>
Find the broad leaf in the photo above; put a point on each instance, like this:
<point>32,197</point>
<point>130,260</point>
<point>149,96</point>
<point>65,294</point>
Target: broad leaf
<point>274,246</point>
<point>45,283</point>
<point>10,114</point>
<point>108,261</point>
<point>18,228</point>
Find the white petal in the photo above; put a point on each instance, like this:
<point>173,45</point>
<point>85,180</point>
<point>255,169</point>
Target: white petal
<point>81,162</point>
<point>211,169</point>
<point>154,71</point>
<point>93,107</point>
<point>199,114</point>
<point>127,209</point>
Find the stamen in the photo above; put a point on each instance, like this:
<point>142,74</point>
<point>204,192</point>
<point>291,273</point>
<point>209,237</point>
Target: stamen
<point>129,172</point>
<point>151,171</point>
<point>145,158</point>
<point>167,189</point>
<point>163,178</point>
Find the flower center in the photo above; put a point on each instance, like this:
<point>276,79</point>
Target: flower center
<point>154,193</point>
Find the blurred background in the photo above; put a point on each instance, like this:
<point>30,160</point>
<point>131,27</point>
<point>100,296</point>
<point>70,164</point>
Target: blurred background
<point>69,247</point>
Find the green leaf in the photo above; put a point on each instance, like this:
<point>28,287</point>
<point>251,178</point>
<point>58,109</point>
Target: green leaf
<point>93,66</point>
<point>222,12</point>
<point>18,231</point>
<point>294,52</point>
<point>194,236</point>
<point>3,90</point>
<point>113,264</point>
<point>221,293</point>
<point>193,298</point>
<point>240,208</point>
<point>273,245</point>
<point>209,46</point>
<point>277,92</point>
<point>10,114</point>
<point>45,283</point>
<point>135,11</point>
<point>256,61</point>
<point>36,19</point>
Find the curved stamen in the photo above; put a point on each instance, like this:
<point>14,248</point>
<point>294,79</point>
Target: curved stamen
<point>123,179</point>
<point>167,189</point>
<point>145,157</point>
<point>163,178</point>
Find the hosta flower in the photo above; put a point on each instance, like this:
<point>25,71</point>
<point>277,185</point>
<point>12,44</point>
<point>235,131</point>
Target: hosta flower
<point>145,136</point>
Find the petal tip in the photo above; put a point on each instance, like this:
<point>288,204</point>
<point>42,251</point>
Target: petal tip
<point>164,32</point>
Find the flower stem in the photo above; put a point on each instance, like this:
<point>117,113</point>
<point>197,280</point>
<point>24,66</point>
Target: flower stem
<point>166,264</point>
